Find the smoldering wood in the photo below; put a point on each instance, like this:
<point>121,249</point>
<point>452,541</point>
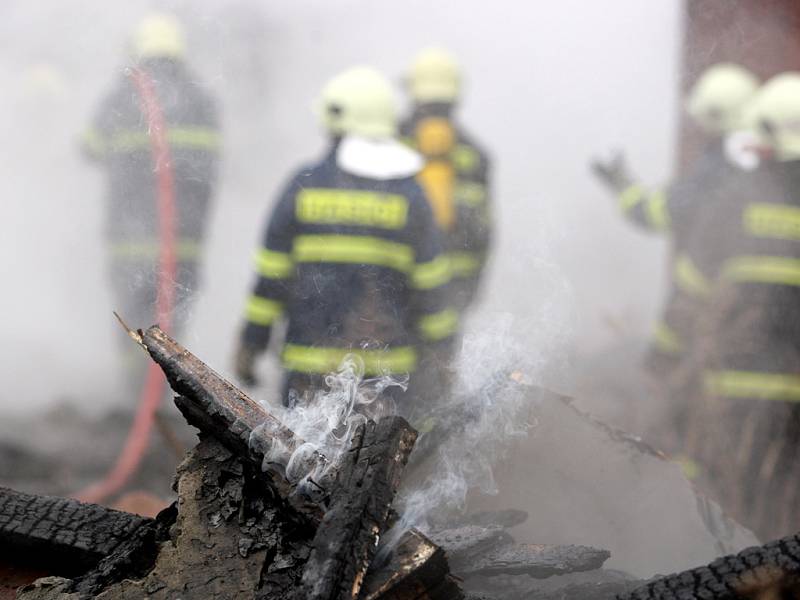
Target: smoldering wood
<point>366,483</point>
<point>416,569</point>
<point>534,560</point>
<point>226,539</point>
<point>74,536</point>
<point>488,551</point>
<point>133,558</point>
<point>217,407</point>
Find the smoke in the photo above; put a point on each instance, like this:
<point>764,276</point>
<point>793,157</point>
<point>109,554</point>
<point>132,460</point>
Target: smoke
<point>473,431</point>
<point>326,422</point>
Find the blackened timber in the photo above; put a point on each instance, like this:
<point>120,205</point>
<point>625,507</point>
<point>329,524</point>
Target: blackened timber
<point>218,408</point>
<point>73,536</point>
<point>417,568</point>
<point>534,560</point>
<point>366,482</point>
<point>486,551</point>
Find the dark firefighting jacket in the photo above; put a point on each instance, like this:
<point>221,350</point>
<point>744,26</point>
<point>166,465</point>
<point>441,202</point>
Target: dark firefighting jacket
<point>754,254</point>
<point>675,211</point>
<point>456,180</point>
<point>355,265</point>
<point>118,138</point>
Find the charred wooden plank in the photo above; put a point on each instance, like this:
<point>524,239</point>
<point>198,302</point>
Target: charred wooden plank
<point>537,561</point>
<point>475,550</point>
<point>218,408</point>
<point>71,535</point>
<point>365,485</point>
<point>761,572</point>
<point>416,569</point>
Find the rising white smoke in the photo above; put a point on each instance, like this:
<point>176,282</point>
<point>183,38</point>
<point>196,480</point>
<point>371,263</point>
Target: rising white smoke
<point>327,421</point>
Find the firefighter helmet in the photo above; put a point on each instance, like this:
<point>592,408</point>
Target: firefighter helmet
<point>159,35</point>
<point>434,76</point>
<point>359,101</point>
<point>775,113</point>
<point>718,98</point>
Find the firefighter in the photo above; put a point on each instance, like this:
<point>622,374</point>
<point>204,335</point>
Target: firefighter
<point>158,93</point>
<point>456,181</point>
<point>716,104</point>
<point>456,172</point>
<point>351,254</point>
<point>751,423</point>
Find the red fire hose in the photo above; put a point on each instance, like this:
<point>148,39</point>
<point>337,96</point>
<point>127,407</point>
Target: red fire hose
<point>153,390</point>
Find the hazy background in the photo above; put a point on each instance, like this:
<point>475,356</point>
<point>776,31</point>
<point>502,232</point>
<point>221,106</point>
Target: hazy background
<point>547,86</point>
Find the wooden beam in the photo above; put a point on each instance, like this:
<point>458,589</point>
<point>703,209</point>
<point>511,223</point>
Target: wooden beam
<point>366,482</point>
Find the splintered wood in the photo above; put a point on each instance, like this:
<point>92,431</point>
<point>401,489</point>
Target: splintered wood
<point>218,408</point>
<point>365,485</point>
<point>357,508</point>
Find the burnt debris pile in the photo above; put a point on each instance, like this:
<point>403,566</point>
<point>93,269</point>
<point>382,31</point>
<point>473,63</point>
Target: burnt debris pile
<point>261,513</point>
<point>243,527</point>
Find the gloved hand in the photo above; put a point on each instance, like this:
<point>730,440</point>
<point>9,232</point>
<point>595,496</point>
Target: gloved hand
<point>244,365</point>
<point>613,172</point>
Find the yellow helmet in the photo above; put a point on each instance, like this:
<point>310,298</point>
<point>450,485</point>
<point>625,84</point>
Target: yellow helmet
<point>775,113</point>
<point>359,101</point>
<point>434,76</point>
<point>158,35</point>
<point>718,98</point>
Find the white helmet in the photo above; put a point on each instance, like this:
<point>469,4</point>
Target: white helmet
<point>434,76</point>
<point>775,113</point>
<point>159,35</point>
<point>359,101</point>
<point>718,98</point>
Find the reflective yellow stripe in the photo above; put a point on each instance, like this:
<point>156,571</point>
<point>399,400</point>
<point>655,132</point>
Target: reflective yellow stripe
<point>194,137</point>
<point>185,250</point>
<point>94,143</point>
<point>470,193</point>
<point>753,384</point>
<point>763,269</point>
<point>352,207</point>
<point>308,359</point>
<point>657,214</point>
<point>432,274</point>
<point>463,264</point>
<point>439,325</point>
<point>630,197</point>
<point>772,221</point>
<point>200,138</point>
<point>666,340</point>
<point>273,265</point>
<point>262,311</point>
<point>465,158</point>
<point>353,249</point>
<point>689,278</point>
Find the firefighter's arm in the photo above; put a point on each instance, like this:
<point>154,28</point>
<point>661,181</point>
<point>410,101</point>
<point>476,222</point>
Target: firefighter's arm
<point>94,140</point>
<point>93,145</point>
<point>274,274</point>
<point>647,208</point>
